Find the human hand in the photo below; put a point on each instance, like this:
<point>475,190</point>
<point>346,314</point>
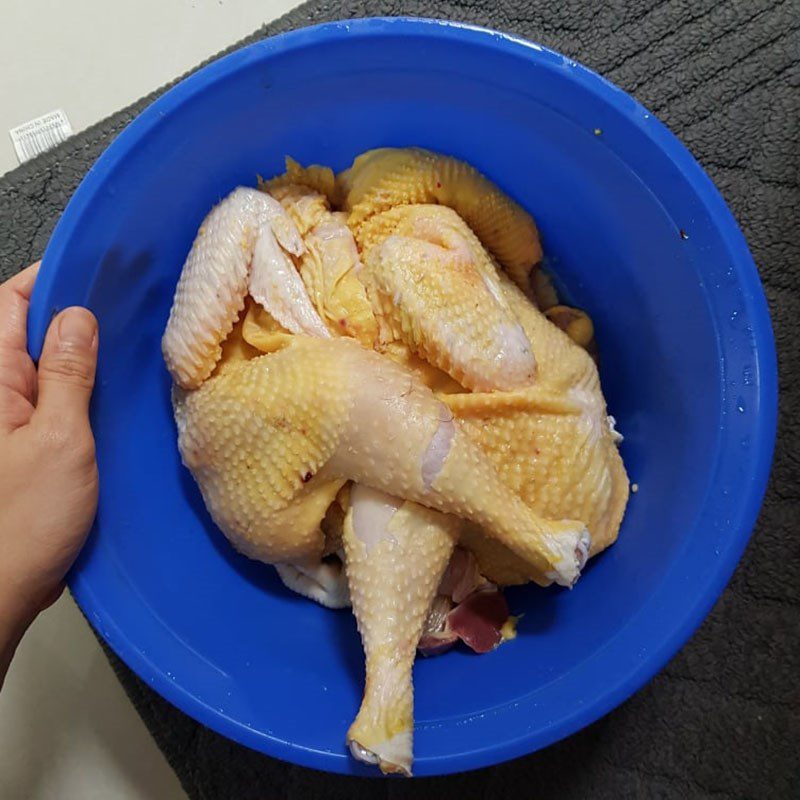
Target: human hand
<point>48,473</point>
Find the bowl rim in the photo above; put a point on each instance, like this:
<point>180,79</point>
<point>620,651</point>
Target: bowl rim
<point>658,610</point>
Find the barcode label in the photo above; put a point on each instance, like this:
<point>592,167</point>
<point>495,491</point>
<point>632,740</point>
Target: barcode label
<point>40,134</point>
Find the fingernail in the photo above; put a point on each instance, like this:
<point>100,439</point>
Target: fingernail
<point>77,328</point>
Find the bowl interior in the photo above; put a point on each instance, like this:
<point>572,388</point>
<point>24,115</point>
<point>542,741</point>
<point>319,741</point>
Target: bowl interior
<point>217,633</point>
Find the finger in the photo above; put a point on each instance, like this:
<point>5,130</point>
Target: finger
<point>15,295</point>
<point>67,366</point>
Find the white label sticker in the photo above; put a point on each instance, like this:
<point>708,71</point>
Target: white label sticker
<point>40,134</point>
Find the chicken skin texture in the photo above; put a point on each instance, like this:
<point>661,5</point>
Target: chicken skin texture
<point>369,369</point>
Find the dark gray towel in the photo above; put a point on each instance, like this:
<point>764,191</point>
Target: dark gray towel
<point>723,719</point>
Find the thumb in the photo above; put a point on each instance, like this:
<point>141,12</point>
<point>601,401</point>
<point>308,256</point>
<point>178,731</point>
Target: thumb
<point>67,365</point>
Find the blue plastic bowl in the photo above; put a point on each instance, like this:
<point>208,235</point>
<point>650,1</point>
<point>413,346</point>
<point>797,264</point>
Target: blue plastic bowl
<point>637,234</point>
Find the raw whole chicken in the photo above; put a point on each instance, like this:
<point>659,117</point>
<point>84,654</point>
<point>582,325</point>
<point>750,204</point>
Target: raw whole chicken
<point>360,368</point>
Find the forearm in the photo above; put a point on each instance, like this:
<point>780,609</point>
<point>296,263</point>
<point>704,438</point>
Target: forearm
<point>8,646</point>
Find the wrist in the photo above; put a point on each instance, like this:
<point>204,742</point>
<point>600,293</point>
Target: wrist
<point>15,619</point>
<point>17,609</point>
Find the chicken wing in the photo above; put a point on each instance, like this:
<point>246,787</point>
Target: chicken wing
<point>435,288</point>
<point>388,177</point>
<point>242,245</point>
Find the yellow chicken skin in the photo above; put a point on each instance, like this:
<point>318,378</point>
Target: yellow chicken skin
<point>318,178</point>
<point>553,443</point>
<point>395,555</point>
<point>557,359</point>
<point>257,332</point>
<point>388,177</point>
<point>237,347</point>
<point>260,331</point>
<point>574,323</point>
<point>262,498</point>
<point>431,293</point>
<point>435,379</point>
<point>268,432</point>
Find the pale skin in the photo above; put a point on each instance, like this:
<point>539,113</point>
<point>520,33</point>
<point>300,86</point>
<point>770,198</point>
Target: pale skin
<point>48,473</point>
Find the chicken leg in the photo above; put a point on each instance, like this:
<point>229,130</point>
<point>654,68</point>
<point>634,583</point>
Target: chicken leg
<point>395,555</point>
<point>318,412</point>
<point>553,443</point>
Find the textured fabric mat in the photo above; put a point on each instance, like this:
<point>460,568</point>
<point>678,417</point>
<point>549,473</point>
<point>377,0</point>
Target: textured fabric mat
<point>723,719</point>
